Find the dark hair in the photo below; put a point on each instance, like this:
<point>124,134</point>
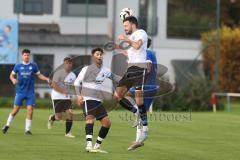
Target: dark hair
<point>9,27</point>
<point>131,19</point>
<point>26,51</point>
<point>149,42</point>
<point>97,49</point>
<point>69,59</point>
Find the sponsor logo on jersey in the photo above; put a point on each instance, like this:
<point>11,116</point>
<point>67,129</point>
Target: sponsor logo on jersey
<point>25,73</point>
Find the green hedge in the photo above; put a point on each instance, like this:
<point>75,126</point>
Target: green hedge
<point>196,96</point>
<point>7,102</point>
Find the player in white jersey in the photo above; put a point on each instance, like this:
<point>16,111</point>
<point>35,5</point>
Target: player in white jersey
<point>89,88</point>
<point>137,68</point>
<point>63,78</point>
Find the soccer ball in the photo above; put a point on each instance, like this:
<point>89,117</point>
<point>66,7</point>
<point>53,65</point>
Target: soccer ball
<point>126,12</point>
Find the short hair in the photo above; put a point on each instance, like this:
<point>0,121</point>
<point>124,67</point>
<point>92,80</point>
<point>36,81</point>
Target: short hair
<point>9,27</point>
<point>26,51</point>
<point>69,59</point>
<point>97,49</point>
<point>131,19</point>
<point>149,42</point>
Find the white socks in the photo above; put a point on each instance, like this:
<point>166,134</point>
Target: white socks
<point>9,120</point>
<point>141,133</point>
<point>96,146</point>
<point>145,128</point>
<point>89,144</point>
<point>28,125</point>
<point>138,133</point>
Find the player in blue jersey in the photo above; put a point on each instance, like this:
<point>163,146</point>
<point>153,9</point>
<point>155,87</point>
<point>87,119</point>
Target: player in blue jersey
<point>23,76</point>
<point>150,88</point>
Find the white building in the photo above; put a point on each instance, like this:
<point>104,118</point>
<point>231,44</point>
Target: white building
<point>53,29</point>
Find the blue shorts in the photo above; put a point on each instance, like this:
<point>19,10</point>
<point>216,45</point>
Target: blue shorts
<point>147,103</point>
<point>19,98</point>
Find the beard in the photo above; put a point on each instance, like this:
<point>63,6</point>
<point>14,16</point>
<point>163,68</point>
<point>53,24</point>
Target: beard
<point>99,62</point>
<point>128,32</point>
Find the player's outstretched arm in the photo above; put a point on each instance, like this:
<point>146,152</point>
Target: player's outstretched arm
<point>43,78</point>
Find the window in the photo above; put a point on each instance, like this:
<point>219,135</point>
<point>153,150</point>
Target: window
<point>82,8</point>
<point>148,16</point>
<point>79,62</point>
<point>45,64</point>
<point>33,7</point>
<point>187,19</point>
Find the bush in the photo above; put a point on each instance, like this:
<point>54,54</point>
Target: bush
<point>44,103</point>
<point>6,102</point>
<point>196,97</point>
<point>228,68</point>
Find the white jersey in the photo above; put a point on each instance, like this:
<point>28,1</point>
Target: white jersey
<point>90,82</point>
<point>65,81</point>
<point>138,55</point>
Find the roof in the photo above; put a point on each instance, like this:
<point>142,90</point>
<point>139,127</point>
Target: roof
<point>49,34</point>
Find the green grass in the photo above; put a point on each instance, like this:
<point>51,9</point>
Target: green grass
<point>205,136</point>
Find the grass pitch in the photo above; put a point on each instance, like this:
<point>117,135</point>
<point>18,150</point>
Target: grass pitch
<point>173,136</point>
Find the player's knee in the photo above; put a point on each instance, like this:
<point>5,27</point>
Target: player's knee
<point>139,102</point>
<point>69,115</point>
<point>116,97</point>
<point>14,112</point>
<point>89,119</point>
<point>119,95</point>
<point>106,122</point>
<point>30,111</point>
<point>58,117</point>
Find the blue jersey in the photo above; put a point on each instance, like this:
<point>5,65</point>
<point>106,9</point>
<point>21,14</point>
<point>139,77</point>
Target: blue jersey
<point>151,80</point>
<point>26,77</point>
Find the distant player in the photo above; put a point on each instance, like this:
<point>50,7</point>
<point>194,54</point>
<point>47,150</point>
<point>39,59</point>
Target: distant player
<point>61,97</point>
<point>90,81</point>
<point>150,87</point>
<point>25,72</point>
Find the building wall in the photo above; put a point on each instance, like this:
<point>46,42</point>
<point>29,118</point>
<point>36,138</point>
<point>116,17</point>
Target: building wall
<point>166,49</point>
